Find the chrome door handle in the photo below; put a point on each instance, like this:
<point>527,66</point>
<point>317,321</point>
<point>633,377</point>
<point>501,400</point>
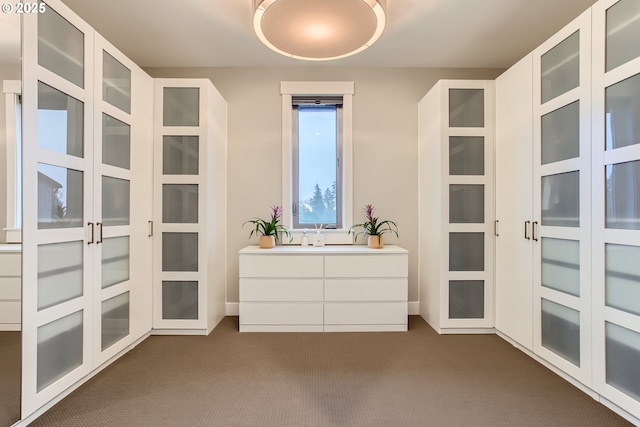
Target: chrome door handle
<point>495,228</point>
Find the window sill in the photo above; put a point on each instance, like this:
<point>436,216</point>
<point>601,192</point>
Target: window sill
<point>13,235</point>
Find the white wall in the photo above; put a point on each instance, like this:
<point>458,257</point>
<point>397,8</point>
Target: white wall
<point>385,144</point>
<point>7,72</point>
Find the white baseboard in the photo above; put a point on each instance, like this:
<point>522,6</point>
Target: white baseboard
<point>233,308</point>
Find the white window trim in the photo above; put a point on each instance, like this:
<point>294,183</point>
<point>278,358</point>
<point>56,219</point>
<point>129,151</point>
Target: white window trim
<point>345,89</point>
<point>12,89</point>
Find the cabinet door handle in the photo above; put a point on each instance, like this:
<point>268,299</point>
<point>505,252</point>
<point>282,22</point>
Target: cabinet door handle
<point>99,227</point>
<point>526,230</point>
<point>533,231</point>
<point>495,228</point>
<point>91,233</point>
<point>150,229</point>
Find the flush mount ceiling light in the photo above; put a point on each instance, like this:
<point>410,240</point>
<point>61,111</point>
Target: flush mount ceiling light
<point>319,30</point>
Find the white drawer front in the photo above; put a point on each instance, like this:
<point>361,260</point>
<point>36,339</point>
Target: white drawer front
<point>281,265</point>
<point>280,314</point>
<point>10,264</point>
<point>392,265</point>
<point>10,288</point>
<point>280,289</point>
<point>372,289</point>
<point>10,312</point>
<point>366,313</point>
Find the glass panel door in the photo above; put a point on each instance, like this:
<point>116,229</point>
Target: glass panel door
<point>616,189</point>
<point>57,205</point>
<point>560,229</point>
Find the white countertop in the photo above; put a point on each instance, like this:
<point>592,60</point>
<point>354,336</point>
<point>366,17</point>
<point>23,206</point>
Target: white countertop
<point>323,250</point>
<point>9,248</point>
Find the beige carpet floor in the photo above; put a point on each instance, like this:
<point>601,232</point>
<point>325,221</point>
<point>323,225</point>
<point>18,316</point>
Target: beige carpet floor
<point>417,378</point>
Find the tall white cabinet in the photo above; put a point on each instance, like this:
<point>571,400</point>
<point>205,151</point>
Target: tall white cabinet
<point>86,160</point>
<point>456,206</point>
<point>568,203</point>
<point>190,214</point>
<point>514,202</point>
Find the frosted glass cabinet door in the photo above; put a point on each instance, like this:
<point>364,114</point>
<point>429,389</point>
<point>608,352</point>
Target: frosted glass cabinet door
<point>466,155</point>
<point>622,355</point>
<point>180,155</point>
<point>115,201</point>
<point>622,277</point>
<point>561,330</point>
<point>180,203</point>
<point>466,108</point>
<point>179,251</point>
<point>623,33</point>
<point>561,265</point>
<point>60,197</point>
<point>115,261</point>
<point>116,142</point>
<point>116,83</point>
<point>561,134</point>
<point>60,344</point>
<point>181,106</point>
<point>60,122</point>
<point>561,199</point>
<point>60,47</point>
<point>115,319</point>
<point>466,299</point>
<point>623,195</point>
<point>180,300</point>
<point>60,267</point>
<point>622,103</point>
<point>466,203</point>
<point>466,251</point>
<point>560,68</point>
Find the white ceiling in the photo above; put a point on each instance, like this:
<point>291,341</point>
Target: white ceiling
<point>419,33</point>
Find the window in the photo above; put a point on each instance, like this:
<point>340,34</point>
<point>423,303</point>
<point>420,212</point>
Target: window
<point>316,147</point>
<point>13,103</point>
<point>317,142</point>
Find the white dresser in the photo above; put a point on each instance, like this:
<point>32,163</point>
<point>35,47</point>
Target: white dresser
<point>10,289</point>
<point>330,289</point>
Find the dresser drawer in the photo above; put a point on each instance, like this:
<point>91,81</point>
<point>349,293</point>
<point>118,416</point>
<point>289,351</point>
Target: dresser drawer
<point>366,313</point>
<point>10,264</point>
<point>281,265</point>
<point>10,312</point>
<point>10,288</point>
<point>264,313</point>
<point>390,289</point>
<point>280,289</point>
<point>395,265</point>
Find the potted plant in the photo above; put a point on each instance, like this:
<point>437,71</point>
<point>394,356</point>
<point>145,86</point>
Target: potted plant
<point>269,230</point>
<point>374,228</point>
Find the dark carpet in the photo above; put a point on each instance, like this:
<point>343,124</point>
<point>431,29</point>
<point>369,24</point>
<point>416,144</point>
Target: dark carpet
<point>9,377</point>
<point>415,378</point>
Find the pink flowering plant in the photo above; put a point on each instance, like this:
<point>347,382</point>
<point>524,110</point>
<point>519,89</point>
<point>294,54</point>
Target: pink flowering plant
<point>373,226</point>
<point>269,228</point>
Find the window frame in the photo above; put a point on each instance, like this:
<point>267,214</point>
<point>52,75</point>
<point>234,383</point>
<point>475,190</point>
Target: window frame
<point>295,200</point>
<point>12,90</point>
<point>288,90</point>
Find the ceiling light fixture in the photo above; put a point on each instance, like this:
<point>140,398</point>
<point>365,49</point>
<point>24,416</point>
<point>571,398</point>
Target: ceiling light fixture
<point>319,30</point>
